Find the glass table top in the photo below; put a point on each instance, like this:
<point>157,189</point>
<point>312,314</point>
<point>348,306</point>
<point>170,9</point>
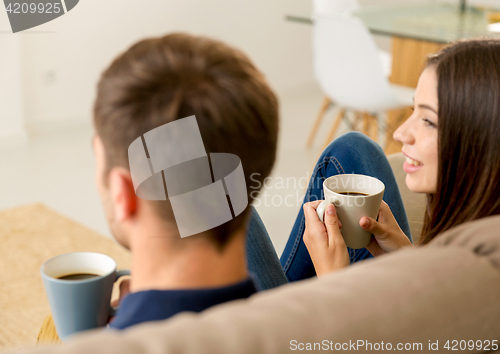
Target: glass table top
<point>435,22</point>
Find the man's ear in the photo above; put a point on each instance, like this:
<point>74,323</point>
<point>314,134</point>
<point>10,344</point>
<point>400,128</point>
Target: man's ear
<point>122,194</point>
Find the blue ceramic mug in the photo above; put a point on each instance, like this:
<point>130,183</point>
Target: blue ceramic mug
<point>81,304</point>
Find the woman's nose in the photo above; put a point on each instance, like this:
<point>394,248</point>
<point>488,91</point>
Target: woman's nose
<point>403,133</point>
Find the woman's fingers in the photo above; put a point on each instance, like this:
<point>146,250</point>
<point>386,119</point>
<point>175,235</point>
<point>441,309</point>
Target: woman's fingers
<point>314,226</point>
<point>315,204</point>
<point>388,234</point>
<point>324,241</point>
<point>384,206</point>
<point>311,215</point>
<point>374,248</point>
<point>333,228</point>
<point>372,226</point>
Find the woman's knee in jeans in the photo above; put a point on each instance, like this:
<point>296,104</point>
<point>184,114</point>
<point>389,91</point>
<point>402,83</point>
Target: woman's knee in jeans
<point>353,142</point>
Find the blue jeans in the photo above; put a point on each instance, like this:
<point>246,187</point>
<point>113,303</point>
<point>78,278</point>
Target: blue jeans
<point>352,152</point>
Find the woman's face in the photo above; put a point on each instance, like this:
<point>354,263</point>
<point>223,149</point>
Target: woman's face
<point>419,136</point>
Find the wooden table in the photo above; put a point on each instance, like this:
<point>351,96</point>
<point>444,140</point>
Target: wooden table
<point>29,235</point>
<point>417,31</point>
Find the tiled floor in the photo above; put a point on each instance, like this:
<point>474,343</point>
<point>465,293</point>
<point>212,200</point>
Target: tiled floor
<point>57,169</point>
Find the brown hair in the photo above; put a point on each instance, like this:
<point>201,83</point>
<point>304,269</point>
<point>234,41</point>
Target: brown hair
<point>159,80</point>
<point>468,188</point>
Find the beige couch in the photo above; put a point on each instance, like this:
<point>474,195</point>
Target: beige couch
<point>430,296</point>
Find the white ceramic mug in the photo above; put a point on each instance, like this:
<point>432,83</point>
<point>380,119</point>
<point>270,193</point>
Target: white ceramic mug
<point>351,208</point>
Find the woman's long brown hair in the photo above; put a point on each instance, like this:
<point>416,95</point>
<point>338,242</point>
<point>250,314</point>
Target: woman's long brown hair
<point>468,184</point>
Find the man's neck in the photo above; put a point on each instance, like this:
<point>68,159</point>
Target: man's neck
<point>194,262</point>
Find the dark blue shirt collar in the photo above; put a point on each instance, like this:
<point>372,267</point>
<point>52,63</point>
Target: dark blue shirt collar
<point>155,305</point>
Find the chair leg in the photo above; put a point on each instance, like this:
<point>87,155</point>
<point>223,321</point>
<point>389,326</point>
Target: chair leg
<point>374,128</point>
<point>388,149</point>
<point>370,126</point>
<point>332,131</point>
<point>357,118</point>
<point>388,145</point>
<point>324,106</point>
<point>366,123</point>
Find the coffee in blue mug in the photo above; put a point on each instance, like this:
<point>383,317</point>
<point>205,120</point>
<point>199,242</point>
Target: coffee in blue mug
<point>79,287</point>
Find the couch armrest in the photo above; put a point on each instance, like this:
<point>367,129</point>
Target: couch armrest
<point>443,291</point>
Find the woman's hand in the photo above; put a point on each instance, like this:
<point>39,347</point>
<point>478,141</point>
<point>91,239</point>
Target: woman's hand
<point>388,235</point>
<point>324,242</point>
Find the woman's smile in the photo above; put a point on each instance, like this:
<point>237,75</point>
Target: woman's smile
<point>411,165</point>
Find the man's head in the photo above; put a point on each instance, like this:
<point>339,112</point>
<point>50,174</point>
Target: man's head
<point>159,80</point>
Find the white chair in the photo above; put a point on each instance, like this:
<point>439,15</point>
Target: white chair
<point>331,7</point>
<point>350,72</point>
<point>346,7</point>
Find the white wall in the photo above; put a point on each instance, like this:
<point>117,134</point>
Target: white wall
<point>60,69</point>
<point>11,115</point>
<point>60,61</point>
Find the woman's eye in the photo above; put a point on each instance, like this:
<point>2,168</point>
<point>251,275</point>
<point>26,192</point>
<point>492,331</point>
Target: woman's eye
<point>428,122</point>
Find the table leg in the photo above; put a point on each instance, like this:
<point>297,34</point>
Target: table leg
<point>334,128</point>
<point>324,107</point>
